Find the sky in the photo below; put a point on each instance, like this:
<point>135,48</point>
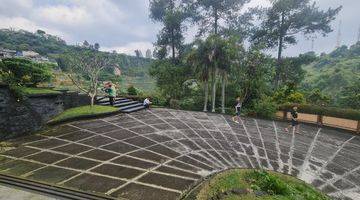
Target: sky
<point>124,25</point>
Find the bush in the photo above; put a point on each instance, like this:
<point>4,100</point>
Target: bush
<point>326,111</point>
<point>265,108</point>
<point>24,72</point>
<point>174,103</point>
<point>132,91</point>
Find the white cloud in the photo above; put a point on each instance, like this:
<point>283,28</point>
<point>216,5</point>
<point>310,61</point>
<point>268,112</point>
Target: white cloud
<point>64,15</point>
<point>130,48</point>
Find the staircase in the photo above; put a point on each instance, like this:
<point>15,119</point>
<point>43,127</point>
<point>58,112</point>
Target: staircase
<point>125,105</point>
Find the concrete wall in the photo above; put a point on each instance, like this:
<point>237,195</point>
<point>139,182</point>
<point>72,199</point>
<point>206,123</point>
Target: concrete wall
<point>23,117</point>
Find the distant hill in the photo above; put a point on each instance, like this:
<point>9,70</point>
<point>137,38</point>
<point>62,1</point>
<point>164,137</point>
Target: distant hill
<point>134,69</point>
<point>332,72</point>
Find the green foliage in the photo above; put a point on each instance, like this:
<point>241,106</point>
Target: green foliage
<point>24,72</point>
<point>269,183</point>
<point>326,111</point>
<point>350,96</point>
<point>288,94</point>
<point>265,108</point>
<point>132,91</point>
<point>83,111</point>
<point>170,78</point>
<point>316,97</point>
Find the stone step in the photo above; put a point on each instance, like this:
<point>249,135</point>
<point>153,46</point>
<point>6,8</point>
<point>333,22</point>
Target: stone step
<point>106,100</point>
<point>119,101</point>
<point>131,106</point>
<point>123,104</point>
<point>134,109</point>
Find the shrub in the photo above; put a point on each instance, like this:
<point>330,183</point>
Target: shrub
<point>174,103</point>
<point>265,108</point>
<point>132,91</point>
<point>326,111</point>
<point>24,72</point>
<point>296,97</point>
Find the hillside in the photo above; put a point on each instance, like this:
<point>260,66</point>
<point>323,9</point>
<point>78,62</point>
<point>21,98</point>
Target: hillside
<point>134,69</point>
<point>333,72</point>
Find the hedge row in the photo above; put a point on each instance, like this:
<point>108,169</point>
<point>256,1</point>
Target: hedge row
<point>325,111</point>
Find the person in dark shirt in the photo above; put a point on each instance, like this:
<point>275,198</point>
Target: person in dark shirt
<point>238,106</point>
<point>294,120</point>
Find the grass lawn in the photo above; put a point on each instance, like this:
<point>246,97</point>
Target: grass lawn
<point>82,112</point>
<point>246,184</point>
<point>34,91</point>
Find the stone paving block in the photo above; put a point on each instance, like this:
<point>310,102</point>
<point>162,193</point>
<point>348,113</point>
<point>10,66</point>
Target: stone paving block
<point>90,124</point>
<point>93,183</point>
<point>78,163</point>
<point>98,154</point>
<point>19,167</point>
<point>72,149</point>
<point>140,141</point>
<point>117,171</point>
<point>143,130</point>
<point>120,147</point>
<point>60,130</point>
<point>141,192</point>
<point>167,181</point>
<point>104,129</point>
<point>126,160</point>
<point>343,184</point>
<point>76,136</point>
<point>46,157</point>
<point>161,149</point>
<point>149,156</point>
<point>120,134</point>
<point>158,137</point>
<point>46,144</point>
<point>20,152</point>
<point>52,175</point>
<point>97,141</point>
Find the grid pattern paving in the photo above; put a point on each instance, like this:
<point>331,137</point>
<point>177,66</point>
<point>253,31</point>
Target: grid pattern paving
<point>161,153</point>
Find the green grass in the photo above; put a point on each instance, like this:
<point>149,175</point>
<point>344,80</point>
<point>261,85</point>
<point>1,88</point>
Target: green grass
<point>272,185</point>
<point>83,111</point>
<point>35,91</point>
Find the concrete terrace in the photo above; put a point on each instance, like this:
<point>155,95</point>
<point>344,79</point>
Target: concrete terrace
<point>160,153</point>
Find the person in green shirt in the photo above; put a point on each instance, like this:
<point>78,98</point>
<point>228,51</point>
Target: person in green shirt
<point>111,92</point>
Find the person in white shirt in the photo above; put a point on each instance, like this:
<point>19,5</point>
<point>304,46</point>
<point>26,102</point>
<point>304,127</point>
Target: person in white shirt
<point>238,106</point>
<point>147,103</point>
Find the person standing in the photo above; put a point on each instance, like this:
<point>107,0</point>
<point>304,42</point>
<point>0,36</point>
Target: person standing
<point>238,106</point>
<point>111,92</point>
<point>294,120</point>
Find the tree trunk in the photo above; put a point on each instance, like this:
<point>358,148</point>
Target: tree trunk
<point>92,99</point>
<point>223,84</point>
<point>280,48</point>
<point>206,88</point>
<point>214,91</point>
<point>216,21</point>
<point>173,44</point>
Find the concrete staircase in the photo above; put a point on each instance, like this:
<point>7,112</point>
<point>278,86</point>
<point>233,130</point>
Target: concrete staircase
<point>125,105</point>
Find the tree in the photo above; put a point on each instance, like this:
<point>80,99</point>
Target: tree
<point>350,96</point>
<point>84,69</point>
<point>138,53</point>
<point>40,32</point>
<point>287,18</point>
<point>209,13</point>
<point>97,46</point>
<point>199,58</point>
<point>86,44</point>
<point>172,15</point>
<point>148,53</point>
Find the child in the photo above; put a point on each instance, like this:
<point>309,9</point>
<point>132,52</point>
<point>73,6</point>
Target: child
<point>294,120</point>
<point>147,103</point>
<point>238,106</point>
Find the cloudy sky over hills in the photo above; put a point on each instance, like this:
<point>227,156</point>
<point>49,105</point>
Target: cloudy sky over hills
<point>124,25</point>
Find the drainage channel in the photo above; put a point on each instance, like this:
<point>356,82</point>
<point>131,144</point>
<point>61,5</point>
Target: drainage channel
<point>54,191</point>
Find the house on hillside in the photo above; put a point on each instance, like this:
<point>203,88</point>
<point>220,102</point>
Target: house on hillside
<point>7,53</point>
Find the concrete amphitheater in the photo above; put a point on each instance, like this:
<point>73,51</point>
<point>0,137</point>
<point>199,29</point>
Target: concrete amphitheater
<point>161,153</point>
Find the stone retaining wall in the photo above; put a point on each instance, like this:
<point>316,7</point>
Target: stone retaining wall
<point>31,114</point>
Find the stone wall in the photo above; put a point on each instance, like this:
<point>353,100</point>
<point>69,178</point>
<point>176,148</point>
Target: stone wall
<point>31,114</point>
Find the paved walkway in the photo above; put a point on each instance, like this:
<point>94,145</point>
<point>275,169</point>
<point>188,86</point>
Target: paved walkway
<point>159,154</point>
<point>9,193</point>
